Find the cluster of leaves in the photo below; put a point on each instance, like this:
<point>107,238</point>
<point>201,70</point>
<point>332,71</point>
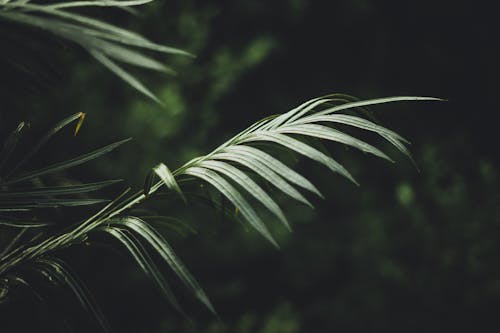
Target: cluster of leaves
<point>25,199</point>
<point>236,163</point>
<point>24,193</point>
<point>107,43</point>
<point>237,169</point>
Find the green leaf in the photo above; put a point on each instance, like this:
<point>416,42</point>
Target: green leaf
<point>304,108</point>
<point>276,165</point>
<point>391,136</point>
<point>84,20</point>
<point>125,55</point>
<point>97,3</point>
<point>249,185</point>
<point>375,102</point>
<point>58,190</point>
<point>66,164</point>
<point>148,182</point>
<point>77,32</point>
<point>49,203</point>
<point>168,178</point>
<point>143,259</point>
<point>234,197</point>
<point>265,172</point>
<point>401,147</point>
<point>17,223</point>
<point>160,245</point>
<point>62,273</point>
<point>106,42</point>
<point>120,72</point>
<point>298,112</point>
<point>60,125</point>
<point>303,149</point>
<point>351,121</point>
<point>323,132</point>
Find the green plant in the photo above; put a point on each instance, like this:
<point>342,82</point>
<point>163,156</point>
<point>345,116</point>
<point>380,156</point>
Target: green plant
<point>237,169</point>
<point>107,43</point>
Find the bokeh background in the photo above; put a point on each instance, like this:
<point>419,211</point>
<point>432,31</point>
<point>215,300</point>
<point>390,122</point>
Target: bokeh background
<point>408,250</point>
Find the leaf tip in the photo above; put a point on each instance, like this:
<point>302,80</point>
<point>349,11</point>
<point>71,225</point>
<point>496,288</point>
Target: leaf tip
<point>81,118</point>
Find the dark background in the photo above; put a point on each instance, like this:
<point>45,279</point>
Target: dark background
<point>406,251</point>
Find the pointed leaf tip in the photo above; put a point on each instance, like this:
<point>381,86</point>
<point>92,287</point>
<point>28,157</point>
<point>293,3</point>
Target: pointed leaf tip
<point>80,122</point>
<point>168,178</point>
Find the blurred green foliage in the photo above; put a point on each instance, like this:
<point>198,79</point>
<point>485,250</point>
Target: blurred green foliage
<point>407,250</point>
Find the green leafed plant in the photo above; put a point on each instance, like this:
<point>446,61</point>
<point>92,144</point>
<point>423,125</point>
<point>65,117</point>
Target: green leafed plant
<point>241,170</point>
<point>237,169</point>
<point>107,43</point>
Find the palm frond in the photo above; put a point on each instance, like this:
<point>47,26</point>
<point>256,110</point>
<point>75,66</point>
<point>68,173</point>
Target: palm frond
<point>106,42</point>
<point>306,120</point>
<point>236,164</point>
<point>19,205</point>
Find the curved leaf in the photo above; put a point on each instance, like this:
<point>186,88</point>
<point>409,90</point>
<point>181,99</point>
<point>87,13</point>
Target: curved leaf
<point>60,125</point>
<point>160,244</point>
<point>276,165</point>
<point>249,185</point>
<point>66,164</point>
<point>141,256</point>
<point>17,223</point>
<point>60,271</point>
<point>58,190</point>
<point>265,172</point>
<point>168,178</point>
<point>323,132</point>
<point>303,149</point>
